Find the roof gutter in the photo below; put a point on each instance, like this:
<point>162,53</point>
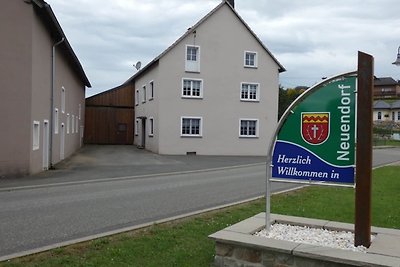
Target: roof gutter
<point>53,78</point>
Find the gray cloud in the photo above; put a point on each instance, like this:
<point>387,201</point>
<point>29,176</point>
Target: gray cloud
<point>311,38</point>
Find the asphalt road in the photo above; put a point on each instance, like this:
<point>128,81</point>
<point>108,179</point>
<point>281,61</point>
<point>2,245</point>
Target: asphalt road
<point>35,217</point>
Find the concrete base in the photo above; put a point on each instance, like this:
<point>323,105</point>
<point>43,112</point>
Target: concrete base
<point>237,246</point>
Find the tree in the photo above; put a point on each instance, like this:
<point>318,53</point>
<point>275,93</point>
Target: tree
<point>287,96</point>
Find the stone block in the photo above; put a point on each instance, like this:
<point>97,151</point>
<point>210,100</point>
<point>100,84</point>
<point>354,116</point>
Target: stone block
<point>247,255</point>
<point>223,250</point>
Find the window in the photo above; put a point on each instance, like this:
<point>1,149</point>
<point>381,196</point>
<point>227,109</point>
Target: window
<point>79,110</point>
<point>56,120</point>
<point>77,125</point>
<point>398,115</point>
<point>36,135</point>
<point>250,59</point>
<point>249,92</point>
<point>248,128</point>
<point>68,123</point>
<point>379,115</point>
<point>62,99</point>
<point>137,97</point>
<point>151,126</point>
<point>192,88</point>
<point>192,57</point>
<point>144,94</point>
<point>151,90</point>
<point>191,126</point>
<point>137,127</point>
<point>73,124</point>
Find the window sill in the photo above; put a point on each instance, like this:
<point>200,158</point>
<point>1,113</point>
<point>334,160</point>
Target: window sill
<point>250,100</point>
<point>250,67</point>
<point>191,136</point>
<point>192,71</point>
<point>191,97</point>
<point>248,136</point>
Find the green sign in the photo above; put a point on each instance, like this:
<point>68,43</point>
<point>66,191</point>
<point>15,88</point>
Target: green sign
<point>316,137</point>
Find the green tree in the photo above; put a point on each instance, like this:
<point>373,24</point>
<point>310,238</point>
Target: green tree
<point>286,97</point>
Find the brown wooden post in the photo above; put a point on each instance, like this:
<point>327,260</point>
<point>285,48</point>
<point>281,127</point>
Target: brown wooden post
<point>364,150</point>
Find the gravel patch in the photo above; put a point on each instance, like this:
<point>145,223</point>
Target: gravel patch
<point>312,236</point>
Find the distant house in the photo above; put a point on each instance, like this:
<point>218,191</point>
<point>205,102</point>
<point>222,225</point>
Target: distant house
<point>109,117</point>
<point>212,92</point>
<point>42,96</point>
<point>386,87</point>
<point>384,111</point>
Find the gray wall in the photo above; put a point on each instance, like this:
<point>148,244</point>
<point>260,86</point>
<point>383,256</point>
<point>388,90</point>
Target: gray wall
<point>15,86</point>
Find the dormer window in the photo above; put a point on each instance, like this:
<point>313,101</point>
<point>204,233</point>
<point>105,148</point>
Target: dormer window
<point>192,58</point>
<point>250,59</point>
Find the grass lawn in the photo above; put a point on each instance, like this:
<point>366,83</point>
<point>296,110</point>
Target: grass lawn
<point>185,242</point>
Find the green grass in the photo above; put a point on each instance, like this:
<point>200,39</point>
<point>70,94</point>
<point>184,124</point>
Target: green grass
<point>185,242</point>
<point>385,142</point>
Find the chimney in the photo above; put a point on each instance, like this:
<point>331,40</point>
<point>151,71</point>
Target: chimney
<point>231,2</point>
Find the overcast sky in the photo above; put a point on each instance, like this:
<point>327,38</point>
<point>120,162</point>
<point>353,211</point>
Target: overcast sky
<point>310,38</point>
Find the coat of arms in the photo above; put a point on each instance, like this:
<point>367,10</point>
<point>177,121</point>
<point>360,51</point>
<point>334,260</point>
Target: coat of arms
<point>315,127</point>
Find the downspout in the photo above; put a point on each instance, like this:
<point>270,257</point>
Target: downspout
<point>53,75</point>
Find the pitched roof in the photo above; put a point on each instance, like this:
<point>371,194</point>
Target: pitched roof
<point>384,81</point>
<point>192,29</point>
<point>380,104</point>
<point>396,104</point>
<point>45,12</point>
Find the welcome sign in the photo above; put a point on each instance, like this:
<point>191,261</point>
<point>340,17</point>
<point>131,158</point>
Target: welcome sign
<point>315,139</point>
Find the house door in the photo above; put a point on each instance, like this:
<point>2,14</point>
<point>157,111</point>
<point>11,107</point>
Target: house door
<point>122,133</point>
<point>45,145</point>
<point>62,142</point>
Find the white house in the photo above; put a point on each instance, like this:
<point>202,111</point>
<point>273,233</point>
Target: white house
<point>384,111</point>
<point>212,92</point>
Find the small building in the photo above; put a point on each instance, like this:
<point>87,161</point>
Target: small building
<point>386,87</point>
<point>212,92</point>
<point>386,112</point>
<point>42,96</point>
<point>109,117</point>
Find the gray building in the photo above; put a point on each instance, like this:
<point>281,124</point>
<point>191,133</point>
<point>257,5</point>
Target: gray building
<point>42,90</point>
<point>212,92</point>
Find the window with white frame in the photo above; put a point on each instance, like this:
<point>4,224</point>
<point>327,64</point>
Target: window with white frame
<point>77,125</point>
<point>379,115</point>
<point>192,88</point>
<point>79,110</point>
<point>63,99</point>
<point>144,94</point>
<point>250,59</point>
<point>137,127</point>
<point>192,57</point>
<point>137,97</point>
<point>249,92</point>
<point>151,126</point>
<point>191,126</point>
<point>151,83</point>
<point>68,123</point>
<point>36,135</point>
<point>248,128</point>
<point>55,120</point>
